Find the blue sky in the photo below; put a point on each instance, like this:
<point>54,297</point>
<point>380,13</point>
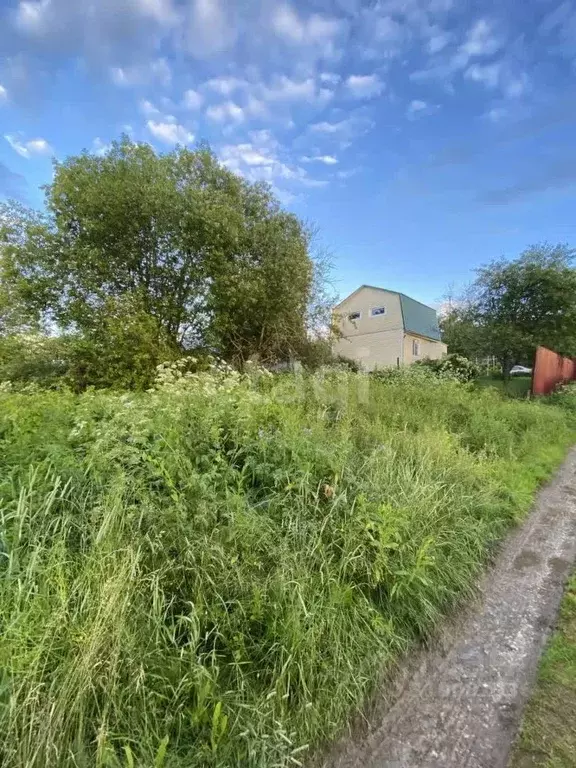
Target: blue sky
<point>422,137</point>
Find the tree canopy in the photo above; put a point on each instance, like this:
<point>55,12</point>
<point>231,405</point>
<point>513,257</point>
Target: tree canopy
<point>200,256</point>
<point>514,306</point>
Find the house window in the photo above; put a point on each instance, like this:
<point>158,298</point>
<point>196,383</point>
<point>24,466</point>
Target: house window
<point>376,311</point>
<point>415,348</point>
<point>354,316</point>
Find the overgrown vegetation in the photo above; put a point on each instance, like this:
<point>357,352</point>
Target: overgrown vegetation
<point>548,736</point>
<point>514,306</point>
<point>452,366</point>
<point>141,257</point>
<point>565,397</point>
<point>212,573</point>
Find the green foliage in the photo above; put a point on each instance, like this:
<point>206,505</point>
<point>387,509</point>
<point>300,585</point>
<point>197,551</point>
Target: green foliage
<point>122,349</point>
<point>210,258</point>
<point>564,397</point>
<point>514,306</point>
<point>514,386</point>
<point>463,333</point>
<point>211,573</point>
<point>453,366</point>
<point>34,358</point>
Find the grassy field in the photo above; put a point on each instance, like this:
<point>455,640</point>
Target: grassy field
<point>517,386</point>
<point>548,736</point>
<point>212,573</point>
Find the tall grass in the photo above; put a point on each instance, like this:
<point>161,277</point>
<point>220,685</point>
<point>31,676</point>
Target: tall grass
<point>212,574</point>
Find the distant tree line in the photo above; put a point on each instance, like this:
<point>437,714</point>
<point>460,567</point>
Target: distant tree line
<point>140,257</point>
<point>514,306</point>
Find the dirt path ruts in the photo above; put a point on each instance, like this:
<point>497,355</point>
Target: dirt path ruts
<point>459,704</point>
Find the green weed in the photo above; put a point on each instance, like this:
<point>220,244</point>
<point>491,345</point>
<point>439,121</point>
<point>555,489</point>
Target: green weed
<point>547,737</point>
<point>215,572</point>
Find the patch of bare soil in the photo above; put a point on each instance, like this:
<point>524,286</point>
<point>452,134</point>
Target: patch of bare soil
<point>459,703</point>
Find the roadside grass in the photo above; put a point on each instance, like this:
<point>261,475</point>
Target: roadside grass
<point>517,386</point>
<point>548,734</point>
<point>214,573</point>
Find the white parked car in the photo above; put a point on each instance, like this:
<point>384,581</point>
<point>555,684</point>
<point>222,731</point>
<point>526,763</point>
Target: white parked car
<point>520,370</point>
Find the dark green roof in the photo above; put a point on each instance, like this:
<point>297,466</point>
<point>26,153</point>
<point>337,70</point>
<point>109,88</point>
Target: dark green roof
<point>419,319</point>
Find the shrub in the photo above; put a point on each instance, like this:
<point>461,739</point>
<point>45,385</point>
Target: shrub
<point>565,397</point>
<point>34,358</point>
<point>212,573</point>
<point>452,366</point>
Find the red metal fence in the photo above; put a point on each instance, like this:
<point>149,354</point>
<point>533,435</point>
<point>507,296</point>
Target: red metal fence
<point>551,369</point>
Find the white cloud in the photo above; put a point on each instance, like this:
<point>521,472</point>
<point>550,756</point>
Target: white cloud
<point>289,90</point>
<point>488,74</point>
<point>192,100</point>
<point>236,155</point>
<point>326,127</point>
<point>326,159</point>
<point>3,94</point>
<point>480,40</point>
<point>344,130</point>
<point>160,70</point>
<point>285,89</point>
<point>170,132</point>
<point>498,75</point>
<point>226,86</point>
<point>418,108</point>
<point>38,17</point>
<point>259,160</point>
<point>228,111</point>
<point>496,114</point>
<point>157,70</point>
<point>330,78</point>
<point>260,99</point>
<point>364,86</point>
<point>105,32</point>
<point>161,11</point>
<point>34,16</point>
<point>100,147</point>
<point>147,108</point>
<point>516,86</point>
<point>387,30</point>
<point>210,27</point>
<point>438,41</point>
<point>28,148</point>
<point>318,31</point>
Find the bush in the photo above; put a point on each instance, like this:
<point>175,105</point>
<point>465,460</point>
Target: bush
<point>34,358</point>
<point>565,397</point>
<point>211,573</point>
<point>452,366</point>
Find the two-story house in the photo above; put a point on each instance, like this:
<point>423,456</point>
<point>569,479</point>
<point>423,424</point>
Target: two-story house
<point>380,328</point>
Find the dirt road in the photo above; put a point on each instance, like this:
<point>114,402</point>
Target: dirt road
<point>459,704</point>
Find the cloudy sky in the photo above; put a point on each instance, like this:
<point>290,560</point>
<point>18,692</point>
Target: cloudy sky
<point>423,137</point>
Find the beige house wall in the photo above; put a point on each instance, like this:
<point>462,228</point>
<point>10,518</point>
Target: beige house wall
<point>428,348</point>
<point>372,350</point>
<point>375,342</point>
<point>364,301</point>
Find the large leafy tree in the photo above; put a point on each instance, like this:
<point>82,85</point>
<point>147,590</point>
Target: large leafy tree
<point>514,306</point>
<point>210,258</point>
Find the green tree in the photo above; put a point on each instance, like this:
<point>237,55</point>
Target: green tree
<point>463,333</point>
<point>212,259</point>
<point>514,306</point>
